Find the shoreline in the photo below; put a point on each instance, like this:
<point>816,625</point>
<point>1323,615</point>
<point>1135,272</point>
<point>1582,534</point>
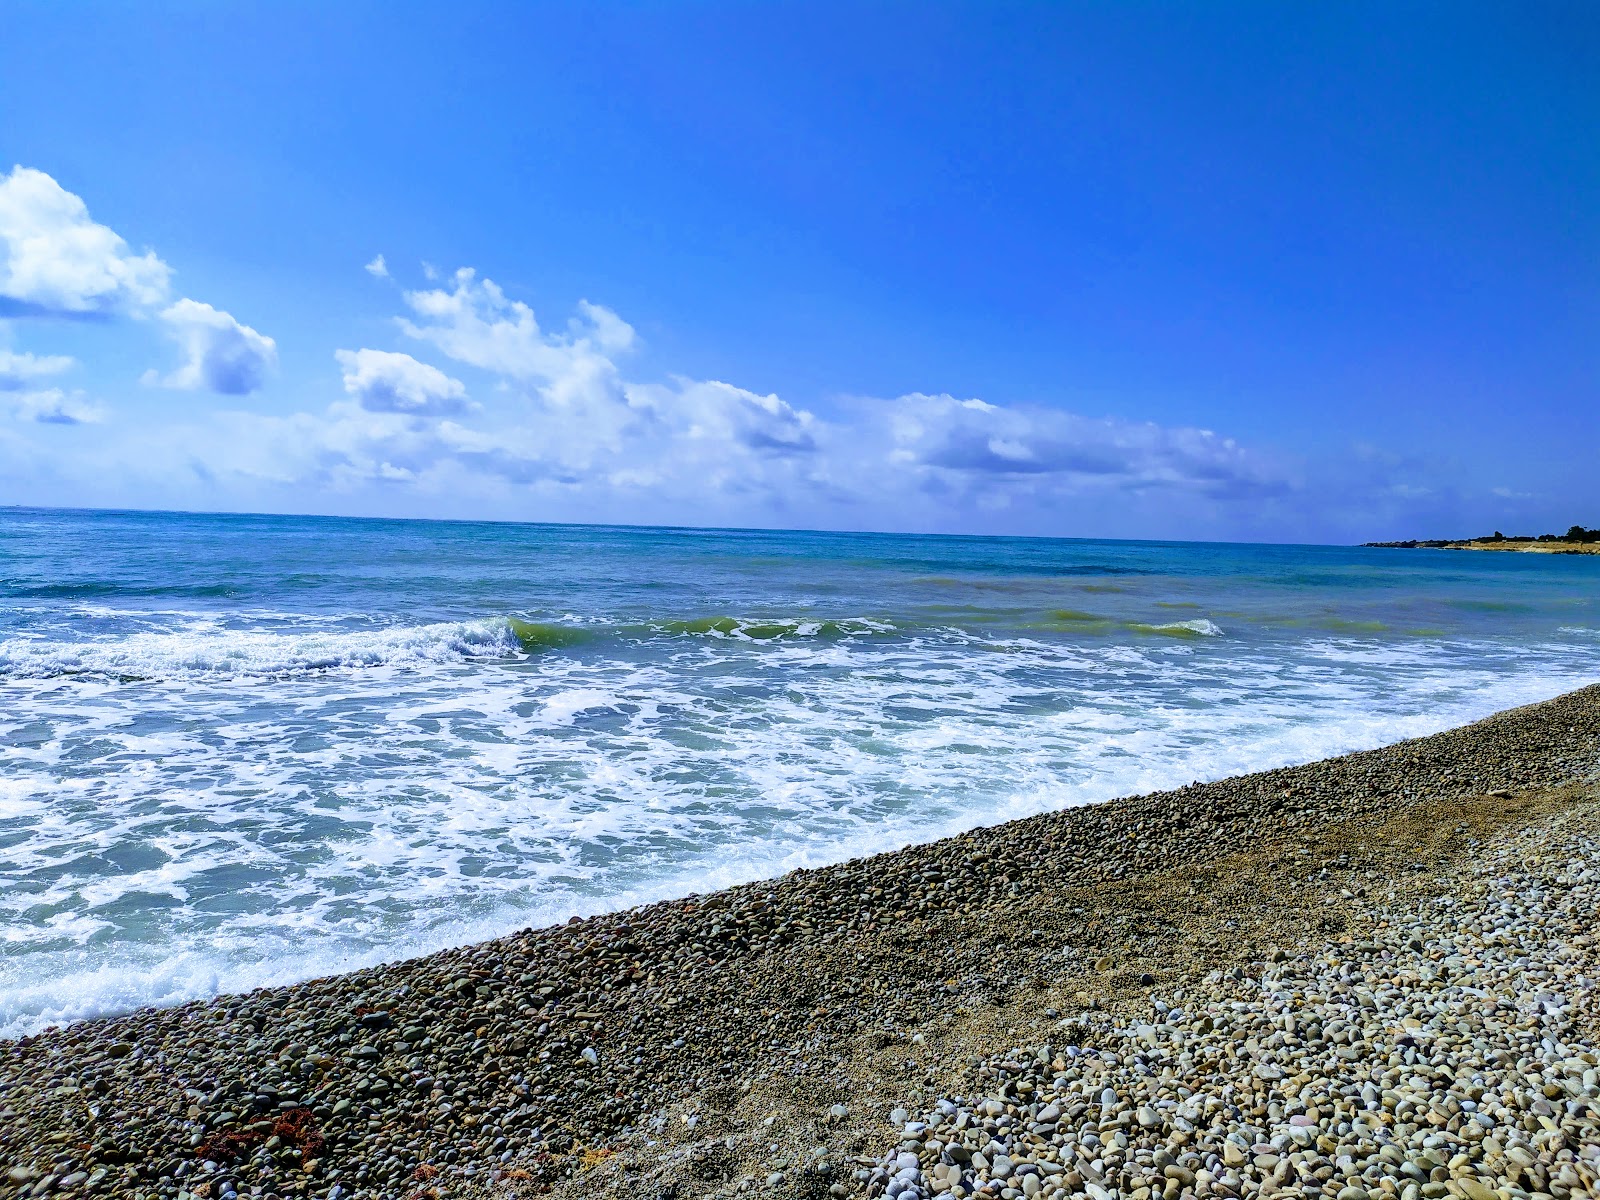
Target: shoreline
<point>1524,546</point>
<point>582,1057</point>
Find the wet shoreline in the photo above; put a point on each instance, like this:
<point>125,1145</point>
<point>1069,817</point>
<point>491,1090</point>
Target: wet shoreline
<point>566,1057</point>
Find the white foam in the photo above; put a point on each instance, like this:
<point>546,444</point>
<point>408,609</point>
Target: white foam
<point>564,707</point>
<point>222,831</point>
<point>1198,625</point>
<point>205,648</point>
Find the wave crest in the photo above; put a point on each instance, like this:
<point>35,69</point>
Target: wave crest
<point>1197,628</point>
<point>204,649</point>
<point>1071,620</point>
<point>772,630</point>
<point>207,651</point>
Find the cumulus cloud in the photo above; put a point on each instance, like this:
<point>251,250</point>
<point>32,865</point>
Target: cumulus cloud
<point>720,414</point>
<point>473,322</point>
<point>568,421</point>
<point>565,428</point>
<point>975,440</point>
<point>21,370</point>
<point>222,354</point>
<point>377,268</point>
<point>383,381</point>
<point>53,406</point>
<point>57,261</point>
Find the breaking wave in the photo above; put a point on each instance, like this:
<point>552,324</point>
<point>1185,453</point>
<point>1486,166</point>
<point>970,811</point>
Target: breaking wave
<point>1197,628</point>
<point>757,630</point>
<point>206,650</point>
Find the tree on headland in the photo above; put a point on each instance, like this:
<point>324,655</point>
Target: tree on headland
<point>1579,534</point>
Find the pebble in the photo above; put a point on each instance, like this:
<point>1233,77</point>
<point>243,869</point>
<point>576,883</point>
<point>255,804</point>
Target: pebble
<point>1476,1074</point>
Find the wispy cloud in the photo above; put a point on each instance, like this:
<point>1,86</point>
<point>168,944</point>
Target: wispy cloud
<point>52,406</point>
<point>22,370</point>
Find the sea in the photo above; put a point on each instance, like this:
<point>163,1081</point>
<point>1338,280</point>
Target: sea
<point>238,751</point>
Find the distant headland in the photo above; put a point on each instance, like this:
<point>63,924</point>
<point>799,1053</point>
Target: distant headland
<point>1576,540</point>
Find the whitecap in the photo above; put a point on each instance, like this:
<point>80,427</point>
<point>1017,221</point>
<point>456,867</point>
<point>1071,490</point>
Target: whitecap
<point>202,648</point>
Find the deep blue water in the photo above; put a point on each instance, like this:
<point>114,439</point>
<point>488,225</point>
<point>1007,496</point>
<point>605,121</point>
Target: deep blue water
<point>245,749</point>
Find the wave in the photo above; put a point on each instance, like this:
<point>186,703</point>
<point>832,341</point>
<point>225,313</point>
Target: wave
<point>203,649</point>
<point>771,630</point>
<point>207,651</point>
<point>1327,622</point>
<point>101,591</point>
<point>497,829</point>
<point>1074,621</point>
<point>1197,628</point>
<point>1073,616</point>
<point>534,636</point>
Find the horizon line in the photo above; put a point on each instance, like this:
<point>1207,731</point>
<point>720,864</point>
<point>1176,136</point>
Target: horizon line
<point>666,528</point>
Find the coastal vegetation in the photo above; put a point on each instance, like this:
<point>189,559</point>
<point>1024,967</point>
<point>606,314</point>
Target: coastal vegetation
<point>1576,540</point>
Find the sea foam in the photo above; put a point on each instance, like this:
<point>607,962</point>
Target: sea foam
<point>206,649</point>
<point>240,752</point>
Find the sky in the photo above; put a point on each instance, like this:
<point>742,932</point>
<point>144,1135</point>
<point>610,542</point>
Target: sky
<point>1225,272</point>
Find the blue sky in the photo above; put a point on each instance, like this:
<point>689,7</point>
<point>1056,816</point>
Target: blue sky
<point>1240,271</point>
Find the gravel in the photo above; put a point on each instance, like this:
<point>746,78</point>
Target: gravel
<point>1446,1051</point>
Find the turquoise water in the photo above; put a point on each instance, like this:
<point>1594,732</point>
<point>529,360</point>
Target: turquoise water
<point>241,750</point>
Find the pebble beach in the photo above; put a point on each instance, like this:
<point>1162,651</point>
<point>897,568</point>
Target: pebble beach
<point>1364,977</point>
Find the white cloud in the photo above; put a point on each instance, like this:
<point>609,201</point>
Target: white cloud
<point>594,424</point>
<point>708,411</point>
<point>20,370</point>
<point>377,268</point>
<point>599,326</point>
<point>973,441</point>
<point>573,419</point>
<point>564,429</point>
<point>707,451</point>
<point>475,323</point>
<point>55,260</point>
<point>223,355</point>
<point>566,422</point>
<point>383,381</point>
<point>56,407</point>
